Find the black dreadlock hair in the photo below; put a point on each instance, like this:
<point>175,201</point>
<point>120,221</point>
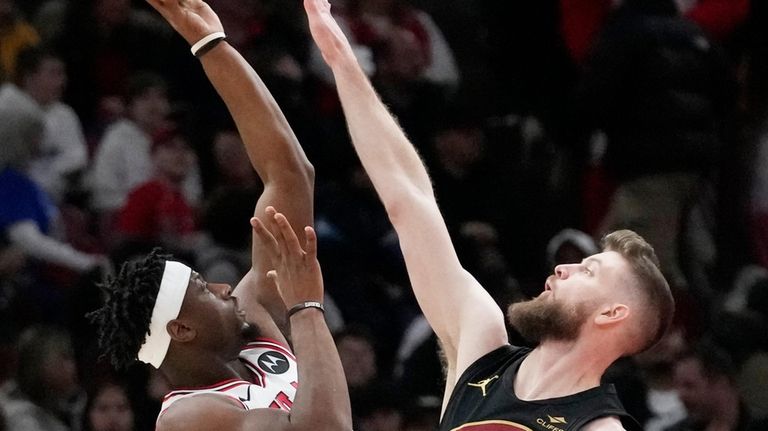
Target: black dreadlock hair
<point>123,321</point>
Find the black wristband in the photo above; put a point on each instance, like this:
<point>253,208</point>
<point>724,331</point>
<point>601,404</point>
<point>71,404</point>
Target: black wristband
<point>304,305</point>
<point>207,43</point>
<point>209,46</point>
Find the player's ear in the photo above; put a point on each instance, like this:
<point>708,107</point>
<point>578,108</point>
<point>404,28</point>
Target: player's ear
<point>180,331</point>
<point>611,314</point>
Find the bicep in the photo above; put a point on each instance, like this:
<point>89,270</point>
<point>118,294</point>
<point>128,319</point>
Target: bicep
<point>608,423</point>
<point>207,412</point>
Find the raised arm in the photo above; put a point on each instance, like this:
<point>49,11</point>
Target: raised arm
<point>322,399</point>
<point>272,147</point>
<point>464,316</point>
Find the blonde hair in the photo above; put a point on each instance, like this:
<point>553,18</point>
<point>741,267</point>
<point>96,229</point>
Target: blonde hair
<point>652,287</point>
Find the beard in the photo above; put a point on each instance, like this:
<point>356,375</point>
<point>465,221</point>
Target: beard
<point>249,332</point>
<point>544,319</point>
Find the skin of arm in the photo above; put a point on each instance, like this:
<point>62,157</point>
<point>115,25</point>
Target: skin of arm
<point>462,313</point>
<point>322,399</point>
<point>609,423</point>
<point>272,148</point>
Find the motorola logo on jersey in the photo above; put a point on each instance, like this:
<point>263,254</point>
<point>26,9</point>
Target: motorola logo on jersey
<point>273,362</point>
<point>492,425</point>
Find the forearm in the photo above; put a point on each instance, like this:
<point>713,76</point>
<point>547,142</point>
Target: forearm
<point>322,398</point>
<point>271,144</point>
<point>390,160</point>
<point>274,152</point>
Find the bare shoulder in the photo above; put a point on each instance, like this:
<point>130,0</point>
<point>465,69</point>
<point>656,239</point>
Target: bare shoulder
<point>199,412</point>
<point>608,423</point>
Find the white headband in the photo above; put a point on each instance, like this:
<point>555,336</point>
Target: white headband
<point>167,306</point>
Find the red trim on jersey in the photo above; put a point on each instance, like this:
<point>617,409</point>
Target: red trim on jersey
<point>233,398</point>
<point>257,372</point>
<point>270,340</point>
<point>271,345</point>
<point>224,385</point>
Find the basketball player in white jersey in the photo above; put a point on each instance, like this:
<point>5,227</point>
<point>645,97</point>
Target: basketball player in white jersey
<point>219,348</point>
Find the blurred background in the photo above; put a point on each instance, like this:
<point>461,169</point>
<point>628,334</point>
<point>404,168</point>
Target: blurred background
<point>545,124</point>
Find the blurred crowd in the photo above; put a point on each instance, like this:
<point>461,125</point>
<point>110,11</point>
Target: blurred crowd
<point>545,124</point>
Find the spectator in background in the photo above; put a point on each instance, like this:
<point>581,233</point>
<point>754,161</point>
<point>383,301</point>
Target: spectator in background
<point>104,43</point>
<point>156,212</point>
<point>423,414</point>
<point>582,20</point>
<point>40,80</point>
<point>109,409</point>
<point>405,43</point>
<point>580,24</point>
<point>719,18</point>
<point>225,255</point>
<point>12,259</point>
<point>656,366</point>
<point>122,160</point>
<point>27,214</point>
<point>358,357</point>
<point>569,246</point>
<point>406,55</point>
<point>418,368</point>
<point>232,165</point>
<point>705,381</point>
<point>15,35</point>
<point>379,409</point>
<point>45,395</point>
<point>659,90</point>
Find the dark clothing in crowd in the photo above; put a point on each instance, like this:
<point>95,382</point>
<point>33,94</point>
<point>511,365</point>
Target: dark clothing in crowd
<point>659,89</point>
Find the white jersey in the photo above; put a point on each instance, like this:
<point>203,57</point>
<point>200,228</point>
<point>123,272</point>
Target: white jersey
<point>272,384</point>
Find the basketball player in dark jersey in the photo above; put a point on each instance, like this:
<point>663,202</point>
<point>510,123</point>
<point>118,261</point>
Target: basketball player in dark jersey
<point>590,313</point>
<point>221,350</point>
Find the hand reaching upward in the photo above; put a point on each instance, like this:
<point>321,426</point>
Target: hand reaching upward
<point>296,269</point>
<point>326,32</point>
<point>192,19</point>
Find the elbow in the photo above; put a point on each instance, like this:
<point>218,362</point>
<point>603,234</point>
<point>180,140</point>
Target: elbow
<point>301,172</point>
<point>404,202</point>
<point>309,172</point>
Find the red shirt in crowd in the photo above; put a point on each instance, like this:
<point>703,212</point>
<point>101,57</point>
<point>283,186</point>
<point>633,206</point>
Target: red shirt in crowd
<point>156,211</point>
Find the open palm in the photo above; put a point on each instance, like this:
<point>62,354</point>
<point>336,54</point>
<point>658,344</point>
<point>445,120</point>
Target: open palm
<point>192,19</point>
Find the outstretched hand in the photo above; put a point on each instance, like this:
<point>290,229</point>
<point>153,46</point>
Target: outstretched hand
<point>326,32</point>
<point>296,269</point>
<point>192,19</point>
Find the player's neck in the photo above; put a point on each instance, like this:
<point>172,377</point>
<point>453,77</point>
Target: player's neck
<point>556,369</point>
<point>198,373</point>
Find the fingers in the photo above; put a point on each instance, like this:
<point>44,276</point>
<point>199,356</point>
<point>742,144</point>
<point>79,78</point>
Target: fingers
<point>289,238</point>
<point>274,228</point>
<point>311,245</point>
<point>272,275</point>
<point>284,236</point>
<point>316,5</point>
<point>266,237</point>
<point>269,220</point>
